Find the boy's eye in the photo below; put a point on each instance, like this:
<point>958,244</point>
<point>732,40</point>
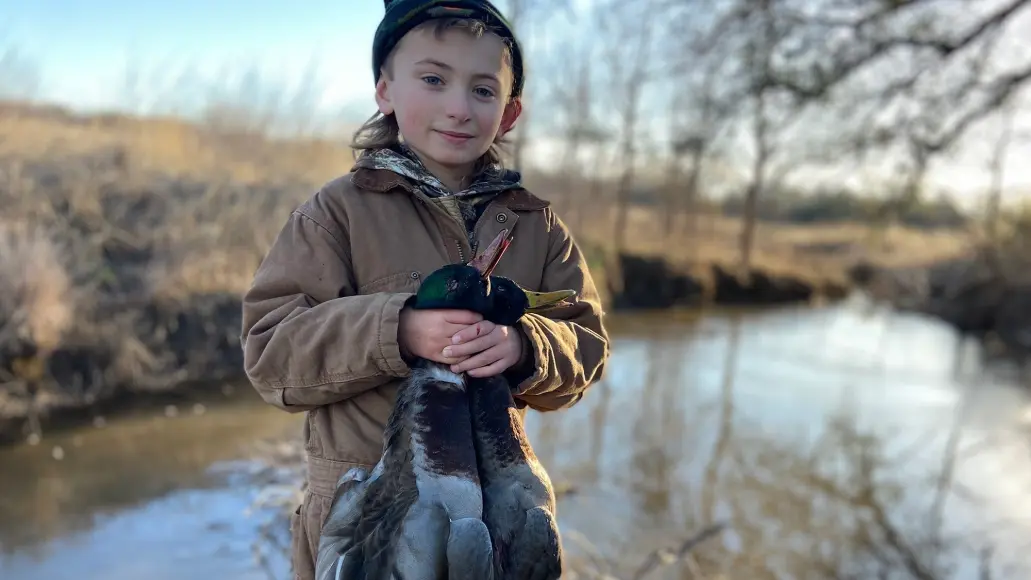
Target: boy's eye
<point>432,79</point>
<point>484,92</point>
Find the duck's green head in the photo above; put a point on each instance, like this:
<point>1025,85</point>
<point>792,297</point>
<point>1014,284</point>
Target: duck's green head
<point>455,286</point>
<point>472,287</point>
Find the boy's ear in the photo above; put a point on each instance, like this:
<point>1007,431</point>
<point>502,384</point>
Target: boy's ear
<point>383,95</point>
<point>513,109</point>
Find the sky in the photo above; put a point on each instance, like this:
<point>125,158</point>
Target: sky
<point>84,47</point>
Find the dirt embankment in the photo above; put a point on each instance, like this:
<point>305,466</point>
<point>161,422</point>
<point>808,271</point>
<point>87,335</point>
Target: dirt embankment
<point>985,294</point>
<point>642,282</point>
<point>111,286</point>
<point>698,262</point>
<point>125,246</point>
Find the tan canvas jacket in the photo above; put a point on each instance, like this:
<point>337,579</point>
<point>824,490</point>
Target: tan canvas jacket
<point>320,320</point>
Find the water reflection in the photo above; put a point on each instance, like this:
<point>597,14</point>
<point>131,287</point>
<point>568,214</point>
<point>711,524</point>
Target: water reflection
<point>829,454</point>
<point>131,465</point>
<point>833,445</point>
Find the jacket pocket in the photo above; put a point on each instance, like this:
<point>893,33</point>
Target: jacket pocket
<point>315,512</point>
<point>301,559</point>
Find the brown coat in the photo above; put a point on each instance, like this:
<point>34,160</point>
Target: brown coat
<point>320,320</point>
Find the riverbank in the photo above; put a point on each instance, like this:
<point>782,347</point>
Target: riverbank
<point>125,246</point>
<point>984,295</point>
<point>698,262</point>
<point>723,416</point>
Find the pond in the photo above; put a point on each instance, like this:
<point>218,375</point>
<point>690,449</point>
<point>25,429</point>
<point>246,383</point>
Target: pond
<point>829,442</point>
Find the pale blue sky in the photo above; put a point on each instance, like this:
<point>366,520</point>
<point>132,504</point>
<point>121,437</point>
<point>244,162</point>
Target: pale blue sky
<point>84,44</point>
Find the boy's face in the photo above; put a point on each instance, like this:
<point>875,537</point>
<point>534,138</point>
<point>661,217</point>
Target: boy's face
<point>449,96</point>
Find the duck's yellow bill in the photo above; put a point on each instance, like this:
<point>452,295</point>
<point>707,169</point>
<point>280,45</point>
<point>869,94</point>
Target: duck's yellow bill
<point>543,300</point>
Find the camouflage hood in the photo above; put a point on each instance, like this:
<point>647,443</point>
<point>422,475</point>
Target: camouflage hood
<point>466,205</point>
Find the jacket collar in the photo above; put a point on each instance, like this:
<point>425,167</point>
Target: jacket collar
<point>383,181</point>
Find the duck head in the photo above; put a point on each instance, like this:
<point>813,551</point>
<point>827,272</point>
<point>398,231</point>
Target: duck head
<point>473,287</point>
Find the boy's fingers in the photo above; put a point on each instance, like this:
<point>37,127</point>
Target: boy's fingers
<point>483,359</point>
<point>446,360</point>
<point>473,331</point>
<point>490,370</point>
<point>461,317</point>
<point>472,347</point>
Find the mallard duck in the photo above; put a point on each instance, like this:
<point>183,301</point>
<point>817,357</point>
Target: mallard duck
<point>418,513</point>
<point>421,512</point>
<point>518,497</point>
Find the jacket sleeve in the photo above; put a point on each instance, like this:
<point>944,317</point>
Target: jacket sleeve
<point>308,339</point>
<point>569,345</point>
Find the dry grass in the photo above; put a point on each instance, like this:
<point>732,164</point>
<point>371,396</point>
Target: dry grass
<point>127,243</point>
<point>37,303</point>
<point>166,146</point>
<point>159,226</point>
<point>822,250</point>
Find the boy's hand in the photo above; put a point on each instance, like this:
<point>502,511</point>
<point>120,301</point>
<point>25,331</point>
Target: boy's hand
<point>486,349</point>
<point>425,333</point>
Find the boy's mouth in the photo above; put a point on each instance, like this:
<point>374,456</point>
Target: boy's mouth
<point>455,137</point>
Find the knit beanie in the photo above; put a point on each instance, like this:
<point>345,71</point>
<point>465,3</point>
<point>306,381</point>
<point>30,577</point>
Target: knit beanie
<point>404,15</point>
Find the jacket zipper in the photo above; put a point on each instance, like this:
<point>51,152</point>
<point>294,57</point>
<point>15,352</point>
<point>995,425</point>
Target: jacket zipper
<point>434,207</point>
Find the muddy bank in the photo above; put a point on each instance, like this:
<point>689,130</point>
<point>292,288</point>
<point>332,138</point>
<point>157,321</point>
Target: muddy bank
<point>117,285</point>
<point>644,283</point>
<point>978,295</point>
<point>154,353</point>
<point>150,351</point>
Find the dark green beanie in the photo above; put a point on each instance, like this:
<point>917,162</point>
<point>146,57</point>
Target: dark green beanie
<point>404,15</point>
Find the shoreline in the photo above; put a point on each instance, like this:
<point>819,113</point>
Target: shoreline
<point>127,244</point>
<point>201,355</point>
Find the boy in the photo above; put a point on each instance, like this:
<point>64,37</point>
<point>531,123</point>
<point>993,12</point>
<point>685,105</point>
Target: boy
<point>325,330</point>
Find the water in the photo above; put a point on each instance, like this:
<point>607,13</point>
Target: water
<point>833,444</point>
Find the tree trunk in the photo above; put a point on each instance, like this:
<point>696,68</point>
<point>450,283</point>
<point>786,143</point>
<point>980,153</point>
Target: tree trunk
<point>755,187</point>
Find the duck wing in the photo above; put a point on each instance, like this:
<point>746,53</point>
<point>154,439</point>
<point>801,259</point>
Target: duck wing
<point>418,515</point>
<point>518,497</point>
<point>337,535</point>
<point>361,535</point>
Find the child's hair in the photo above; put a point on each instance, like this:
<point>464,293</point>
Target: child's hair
<point>381,131</point>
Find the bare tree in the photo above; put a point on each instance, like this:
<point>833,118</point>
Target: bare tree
<point>20,77</point>
<point>914,76</point>
<point>744,56</point>
<point>629,63</point>
<point>237,100</point>
<point>571,92</point>
<point>998,168</point>
<point>700,117</point>
<point>521,14</point>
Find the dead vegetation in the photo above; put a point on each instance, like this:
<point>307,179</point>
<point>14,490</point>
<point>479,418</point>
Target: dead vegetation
<point>141,234</point>
<point>126,246</point>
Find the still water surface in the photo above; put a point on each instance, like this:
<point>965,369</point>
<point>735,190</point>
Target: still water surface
<point>832,444</point>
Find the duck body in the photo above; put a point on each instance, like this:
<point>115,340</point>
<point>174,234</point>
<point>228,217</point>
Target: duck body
<point>418,514</point>
<point>518,497</point>
<point>458,492</point>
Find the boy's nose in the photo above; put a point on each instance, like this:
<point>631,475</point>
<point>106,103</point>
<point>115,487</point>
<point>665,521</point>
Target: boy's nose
<point>457,106</point>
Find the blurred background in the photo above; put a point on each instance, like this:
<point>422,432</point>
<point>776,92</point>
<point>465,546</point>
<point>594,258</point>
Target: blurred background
<point>809,219</point>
